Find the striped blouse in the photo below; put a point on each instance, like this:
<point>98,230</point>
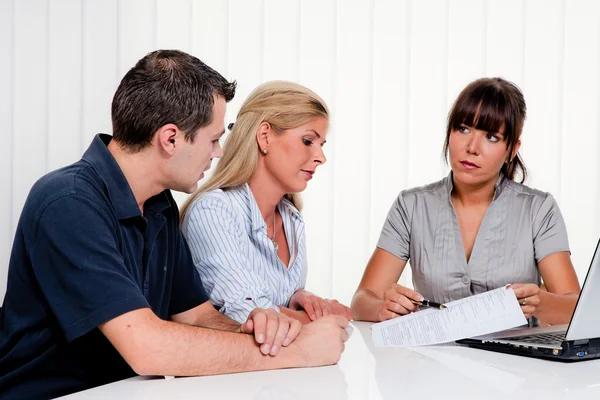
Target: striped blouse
<point>237,261</point>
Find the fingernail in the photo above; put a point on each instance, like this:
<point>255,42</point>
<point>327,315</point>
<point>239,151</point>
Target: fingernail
<point>260,338</point>
<point>274,350</point>
<point>266,349</point>
<point>287,341</point>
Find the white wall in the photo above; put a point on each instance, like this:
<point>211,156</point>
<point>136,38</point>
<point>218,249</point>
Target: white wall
<point>389,70</point>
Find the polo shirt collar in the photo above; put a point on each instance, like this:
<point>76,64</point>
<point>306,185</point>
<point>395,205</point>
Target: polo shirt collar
<point>119,192</point>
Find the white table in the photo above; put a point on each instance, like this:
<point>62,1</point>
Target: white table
<point>366,372</point>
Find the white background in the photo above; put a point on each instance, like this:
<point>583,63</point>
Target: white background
<point>389,70</point>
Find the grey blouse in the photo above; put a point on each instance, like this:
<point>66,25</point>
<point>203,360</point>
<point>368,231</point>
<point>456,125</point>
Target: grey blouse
<point>520,228</point>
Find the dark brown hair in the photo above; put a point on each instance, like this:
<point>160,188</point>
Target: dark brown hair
<point>487,104</point>
<point>165,87</point>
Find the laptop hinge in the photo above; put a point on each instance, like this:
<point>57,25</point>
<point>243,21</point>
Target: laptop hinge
<point>581,342</point>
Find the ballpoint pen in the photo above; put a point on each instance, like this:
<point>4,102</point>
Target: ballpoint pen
<point>428,303</point>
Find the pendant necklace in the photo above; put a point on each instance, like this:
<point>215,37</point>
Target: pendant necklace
<point>273,236</point>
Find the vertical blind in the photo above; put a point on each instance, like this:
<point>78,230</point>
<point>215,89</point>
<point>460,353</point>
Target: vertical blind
<point>388,69</point>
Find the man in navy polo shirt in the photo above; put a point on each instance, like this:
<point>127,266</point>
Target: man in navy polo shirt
<point>101,284</point>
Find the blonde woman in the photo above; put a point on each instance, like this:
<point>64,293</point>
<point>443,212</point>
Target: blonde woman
<point>244,227</point>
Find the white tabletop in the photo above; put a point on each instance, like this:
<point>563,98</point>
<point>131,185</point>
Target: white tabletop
<point>366,372</point>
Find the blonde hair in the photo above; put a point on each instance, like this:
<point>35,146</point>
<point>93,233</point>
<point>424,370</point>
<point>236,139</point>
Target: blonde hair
<point>284,105</point>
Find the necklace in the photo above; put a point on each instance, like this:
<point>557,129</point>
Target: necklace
<point>273,236</point>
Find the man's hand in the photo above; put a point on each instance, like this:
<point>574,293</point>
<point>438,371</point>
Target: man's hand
<point>316,307</point>
<point>271,329</point>
<point>321,342</point>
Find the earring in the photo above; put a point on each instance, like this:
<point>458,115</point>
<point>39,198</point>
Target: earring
<point>264,152</point>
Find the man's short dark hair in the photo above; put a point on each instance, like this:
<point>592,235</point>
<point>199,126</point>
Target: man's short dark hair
<point>165,87</point>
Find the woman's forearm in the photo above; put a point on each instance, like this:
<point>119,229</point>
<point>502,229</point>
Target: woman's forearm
<point>300,315</point>
<point>366,305</point>
<point>556,309</point>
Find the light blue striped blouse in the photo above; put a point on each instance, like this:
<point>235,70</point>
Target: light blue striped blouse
<point>236,260</point>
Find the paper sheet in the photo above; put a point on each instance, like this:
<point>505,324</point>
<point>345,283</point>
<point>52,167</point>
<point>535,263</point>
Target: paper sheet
<point>481,314</point>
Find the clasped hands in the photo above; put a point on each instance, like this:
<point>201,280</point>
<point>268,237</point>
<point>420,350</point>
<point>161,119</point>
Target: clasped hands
<point>273,330</point>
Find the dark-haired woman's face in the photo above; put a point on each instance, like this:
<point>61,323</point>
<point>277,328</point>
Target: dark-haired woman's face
<point>477,156</point>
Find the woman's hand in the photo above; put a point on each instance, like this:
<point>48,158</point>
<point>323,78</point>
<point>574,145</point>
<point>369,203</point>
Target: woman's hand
<point>271,329</point>
<point>338,308</point>
<point>528,295</point>
<point>397,301</point>
<point>316,307</point>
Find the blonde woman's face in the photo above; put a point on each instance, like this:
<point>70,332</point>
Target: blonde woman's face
<point>294,155</point>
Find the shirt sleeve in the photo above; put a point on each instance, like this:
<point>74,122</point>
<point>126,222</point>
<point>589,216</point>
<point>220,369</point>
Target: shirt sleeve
<point>215,241</point>
<point>395,234</point>
<point>188,291</point>
<point>78,267</point>
<point>549,230</point>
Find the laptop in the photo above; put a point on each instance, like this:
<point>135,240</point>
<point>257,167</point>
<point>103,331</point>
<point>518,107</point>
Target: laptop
<point>577,341</point>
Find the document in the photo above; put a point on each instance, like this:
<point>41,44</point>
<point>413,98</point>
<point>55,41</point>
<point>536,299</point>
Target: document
<point>481,314</point>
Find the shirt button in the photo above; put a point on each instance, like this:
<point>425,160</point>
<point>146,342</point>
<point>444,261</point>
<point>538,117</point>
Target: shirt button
<point>466,280</point>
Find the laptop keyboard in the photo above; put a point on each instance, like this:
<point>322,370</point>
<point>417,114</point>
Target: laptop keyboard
<point>545,338</point>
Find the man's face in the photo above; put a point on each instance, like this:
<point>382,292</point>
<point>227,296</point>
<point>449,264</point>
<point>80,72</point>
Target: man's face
<point>192,159</point>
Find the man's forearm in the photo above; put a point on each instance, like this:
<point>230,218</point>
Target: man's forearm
<point>216,320</point>
<point>207,316</point>
<point>191,351</point>
<point>155,347</point>
<point>219,321</point>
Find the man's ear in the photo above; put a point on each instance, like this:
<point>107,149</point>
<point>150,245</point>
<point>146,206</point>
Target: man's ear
<point>167,137</point>
<point>263,133</point>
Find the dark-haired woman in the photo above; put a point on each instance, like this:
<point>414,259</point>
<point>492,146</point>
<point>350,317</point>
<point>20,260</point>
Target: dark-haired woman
<point>477,229</point>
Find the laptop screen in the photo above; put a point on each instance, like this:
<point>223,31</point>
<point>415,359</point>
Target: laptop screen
<point>585,323</point>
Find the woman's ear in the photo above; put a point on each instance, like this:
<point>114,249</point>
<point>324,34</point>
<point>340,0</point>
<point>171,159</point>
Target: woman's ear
<point>262,136</point>
<point>515,151</point>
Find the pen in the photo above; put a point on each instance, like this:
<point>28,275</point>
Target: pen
<point>428,303</point>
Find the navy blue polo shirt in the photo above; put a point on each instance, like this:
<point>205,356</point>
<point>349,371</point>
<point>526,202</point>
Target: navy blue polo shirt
<point>84,254</point>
